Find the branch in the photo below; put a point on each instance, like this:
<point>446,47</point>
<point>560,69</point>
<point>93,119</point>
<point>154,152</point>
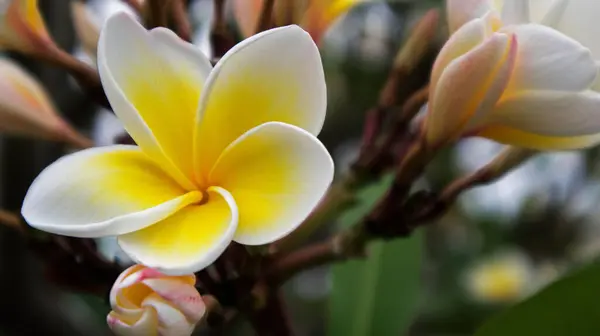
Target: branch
<point>134,4</point>
<point>265,20</point>
<point>393,217</point>
<point>220,37</point>
<point>156,13</point>
<point>503,163</point>
<point>181,20</point>
<point>86,76</point>
<point>270,318</point>
<point>373,153</point>
<point>342,246</point>
<point>12,221</point>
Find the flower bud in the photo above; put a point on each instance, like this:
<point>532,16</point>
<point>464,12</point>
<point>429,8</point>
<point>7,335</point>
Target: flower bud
<point>22,28</point>
<point>518,72</point>
<point>315,16</point>
<point>147,302</point>
<point>26,109</point>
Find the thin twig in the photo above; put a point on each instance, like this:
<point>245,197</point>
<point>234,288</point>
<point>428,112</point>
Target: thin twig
<point>265,20</point>
<point>271,318</point>
<point>12,220</point>
<point>406,60</point>
<point>504,162</point>
<point>134,4</point>
<point>86,76</point>
<point>349,243</point>
<point>220,37</point>
<point>156,13</point>
<point>181,20</point>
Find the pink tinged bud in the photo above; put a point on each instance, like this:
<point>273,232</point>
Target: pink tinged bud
<point>22,27</point>
<point>147,302</point>
<point>26,109</point>
<point>469,76</point>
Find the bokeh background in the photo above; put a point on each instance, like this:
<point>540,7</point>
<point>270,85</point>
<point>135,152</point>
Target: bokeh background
<point>498,244</point>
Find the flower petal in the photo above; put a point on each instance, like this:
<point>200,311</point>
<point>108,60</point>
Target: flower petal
<point>462,11</point>
<point>515,12</point>
<point>277,174</point>
<point>545,56</point>
<point>515,137</point>
<point>188,241</point>
<point>276,75</point>
<point>153,81</point>
<point>142,322</point>
<point>320,15</point>
<point>550,113</point>
<point>102,191</point>
<point>171,321</point>
<point>579,20</point>
<point>465,39</point>
<point>247,13</point>
<point>182,296</point>
<point>481,74</point>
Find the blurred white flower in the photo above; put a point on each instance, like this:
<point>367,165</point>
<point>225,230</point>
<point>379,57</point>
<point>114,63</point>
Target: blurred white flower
<point>501,278</point>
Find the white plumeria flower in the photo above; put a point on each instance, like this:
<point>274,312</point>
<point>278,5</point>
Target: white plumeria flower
<point>224,153</point>
<point>147,302</point>
<point>512,81</point>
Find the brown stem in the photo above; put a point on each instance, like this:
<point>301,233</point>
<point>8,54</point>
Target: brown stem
<point>265,20</point>
<point>503,163</point>
<point>86,76</point>
<point>156,13</point>
<point>12,220</point>
<point>350,243</point>
<point>372,154</point>
<point>270,317</point>
<point>375,116</point>
<point>220,37</point>
<point>181,20</point>
<point>134,4</point>
<point>375,161</point>
<point>382,221</point>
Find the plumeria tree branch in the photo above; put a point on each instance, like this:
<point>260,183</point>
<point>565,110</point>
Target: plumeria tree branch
<point>181,20</point>
<point>406,60</point>
<point>156,13</point>
<point>134,4</point>
<point>265,20</point>
<point>220,37</point>
<point>86,76</point>
<point>385,222</point>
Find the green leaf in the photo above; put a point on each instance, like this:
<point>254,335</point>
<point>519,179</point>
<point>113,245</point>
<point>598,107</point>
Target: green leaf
<point>376,296</point>
<point>570,306</point>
